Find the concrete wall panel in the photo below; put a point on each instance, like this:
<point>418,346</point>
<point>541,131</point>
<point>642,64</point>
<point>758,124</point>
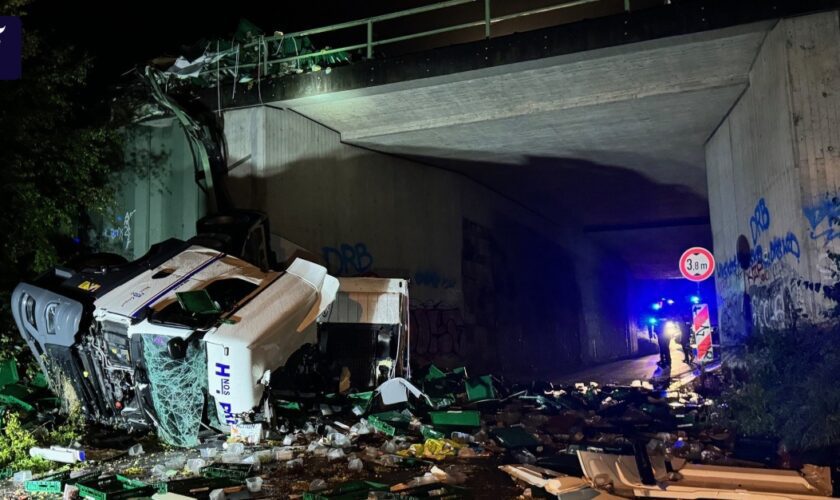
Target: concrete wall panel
<point>771,171</point>
<point>493,285</point>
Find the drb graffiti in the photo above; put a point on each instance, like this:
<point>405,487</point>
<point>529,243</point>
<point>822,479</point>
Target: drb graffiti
<point>347,259</point>
<point>760,220</point>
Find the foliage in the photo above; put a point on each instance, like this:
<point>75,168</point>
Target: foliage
<point>58,148</point>
<point>15,442</point>
<point>785,390</point>
<point>16,438</point>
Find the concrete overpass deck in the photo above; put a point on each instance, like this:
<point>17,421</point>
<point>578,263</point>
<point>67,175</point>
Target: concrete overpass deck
<point>601,122</point>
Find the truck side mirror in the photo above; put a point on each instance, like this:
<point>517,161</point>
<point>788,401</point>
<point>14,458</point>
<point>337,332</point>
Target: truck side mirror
<point>177,348</point>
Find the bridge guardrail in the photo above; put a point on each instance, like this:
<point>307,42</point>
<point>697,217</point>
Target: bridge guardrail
<point>488,21</point>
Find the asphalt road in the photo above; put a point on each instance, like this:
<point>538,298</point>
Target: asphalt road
<point>626,371</point>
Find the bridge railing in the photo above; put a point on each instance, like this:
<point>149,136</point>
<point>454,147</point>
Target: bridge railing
<point>370,43</point>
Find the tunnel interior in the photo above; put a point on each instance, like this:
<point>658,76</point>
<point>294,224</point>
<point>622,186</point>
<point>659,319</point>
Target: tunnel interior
<point>538,207</point>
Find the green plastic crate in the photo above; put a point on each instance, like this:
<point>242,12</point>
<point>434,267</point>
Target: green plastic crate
<point>197,302</point>
<point>195,486</point>
<point>40,381</point>
<point>381,425</point>
<point>354,490</point>
<point>465,418</point>
<point>430,433</point>
<point>114,488</point>
<point>389,422</point>
<point>227,471</point>
<point>435,373</point>
<point>514,437</point>
<point>53,483</point>
<point>8,372</point>
<point>480,388</point>
<point>6,400</point>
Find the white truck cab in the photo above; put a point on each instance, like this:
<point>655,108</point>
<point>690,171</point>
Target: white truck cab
<point>157,342</point>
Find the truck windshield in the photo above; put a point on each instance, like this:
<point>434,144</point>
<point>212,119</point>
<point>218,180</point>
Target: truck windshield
<point>226,293</point>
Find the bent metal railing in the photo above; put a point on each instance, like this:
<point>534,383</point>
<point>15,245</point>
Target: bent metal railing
<point>488,21</point>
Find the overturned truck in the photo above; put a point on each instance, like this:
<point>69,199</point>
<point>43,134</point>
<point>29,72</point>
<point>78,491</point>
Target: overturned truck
<point>189,336</point>
<point>160,341</point>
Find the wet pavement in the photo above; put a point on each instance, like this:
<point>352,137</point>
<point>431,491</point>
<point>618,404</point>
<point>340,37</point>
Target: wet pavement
<point>623,372</point>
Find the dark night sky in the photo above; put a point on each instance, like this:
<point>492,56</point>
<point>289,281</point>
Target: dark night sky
<point>121,34</point>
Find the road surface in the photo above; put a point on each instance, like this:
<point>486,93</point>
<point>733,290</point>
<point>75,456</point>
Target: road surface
<point>625,371</point>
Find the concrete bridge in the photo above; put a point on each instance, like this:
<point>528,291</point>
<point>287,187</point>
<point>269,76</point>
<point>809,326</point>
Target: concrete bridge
<point>529,184</point>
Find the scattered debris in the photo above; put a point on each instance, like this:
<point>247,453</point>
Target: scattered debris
<point>440,434</point>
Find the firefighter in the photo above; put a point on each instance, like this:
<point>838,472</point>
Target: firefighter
<point>664,342</point>
<point>685,340</point>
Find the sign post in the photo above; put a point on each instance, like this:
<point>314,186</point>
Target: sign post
<point>698,264</point>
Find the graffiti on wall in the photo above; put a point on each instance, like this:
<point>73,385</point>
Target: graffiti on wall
<point>347,259</point>
<point>764,255</point>
<point>778,248</point>
<point>728,268</point>
<point>432,279</point>
<point>437,330</point>
<point>787,302</point>
<point>824,218</point>
<point>120,232</point>
<point>760,220</point>
<point>776,295</point>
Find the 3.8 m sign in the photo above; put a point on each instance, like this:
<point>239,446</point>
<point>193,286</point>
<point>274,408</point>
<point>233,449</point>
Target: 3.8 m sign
<point>697,264</point>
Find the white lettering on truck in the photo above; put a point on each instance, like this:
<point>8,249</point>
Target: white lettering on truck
<point>223,372</point>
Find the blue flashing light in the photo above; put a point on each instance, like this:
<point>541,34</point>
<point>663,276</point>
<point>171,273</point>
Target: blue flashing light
<point>656,306</point>
<point>695,299</point>
<point>670,302</point>
<point>652,321</point>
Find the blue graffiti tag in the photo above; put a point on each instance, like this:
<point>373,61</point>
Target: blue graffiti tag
<point>828,212</point>
<point>432,279</point>
<point>348,259</point>
<point>728,268</point>
<point>778,249</point>
<point>760,220</point>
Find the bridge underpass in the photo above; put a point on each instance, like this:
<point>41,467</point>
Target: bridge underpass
<point>531,184</point>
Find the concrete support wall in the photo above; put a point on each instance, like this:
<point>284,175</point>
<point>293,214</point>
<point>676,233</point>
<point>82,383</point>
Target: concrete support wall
<point>493,285</point>
<point>157,197</point>
<point>773,174</point>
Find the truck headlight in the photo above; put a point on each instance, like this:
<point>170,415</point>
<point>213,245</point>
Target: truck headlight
<point>52,307</point>
<point>27,305</point>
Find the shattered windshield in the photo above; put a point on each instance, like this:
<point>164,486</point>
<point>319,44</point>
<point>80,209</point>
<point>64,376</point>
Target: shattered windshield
<point>201,308</point>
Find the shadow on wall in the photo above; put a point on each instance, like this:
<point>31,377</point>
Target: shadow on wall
<point>536,296</point>
<point>594,193</point>
<point>646,223</point>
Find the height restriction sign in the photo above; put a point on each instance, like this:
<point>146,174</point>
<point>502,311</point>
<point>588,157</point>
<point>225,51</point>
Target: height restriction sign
<point>697,264</point>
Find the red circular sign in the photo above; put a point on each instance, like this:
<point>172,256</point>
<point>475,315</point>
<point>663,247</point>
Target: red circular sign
<point>697,264</point>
